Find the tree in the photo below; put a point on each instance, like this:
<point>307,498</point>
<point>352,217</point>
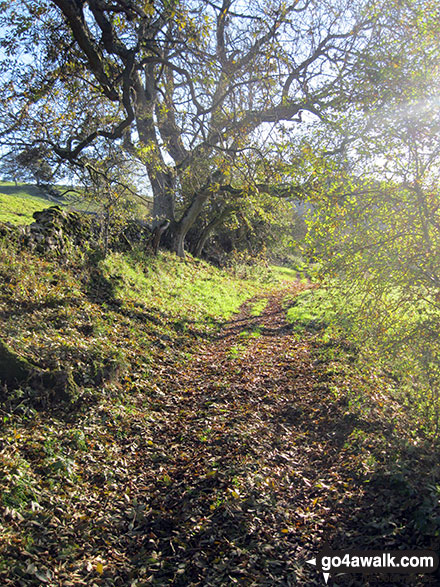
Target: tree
<point>106,181</point>
<point>31,163</point>
<point>376,231</point>
<point>256,217</point>
<point>185,86</point>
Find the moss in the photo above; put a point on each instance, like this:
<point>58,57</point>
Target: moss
<point>16,371</point>
<point>59,385</point>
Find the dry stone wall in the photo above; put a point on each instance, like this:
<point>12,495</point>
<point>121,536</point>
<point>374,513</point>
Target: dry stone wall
<point>57,230</point>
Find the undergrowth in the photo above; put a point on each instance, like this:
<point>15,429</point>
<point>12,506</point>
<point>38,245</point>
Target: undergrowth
<point>186,440</point>
<point>119,325</point>
<point>388,346</point>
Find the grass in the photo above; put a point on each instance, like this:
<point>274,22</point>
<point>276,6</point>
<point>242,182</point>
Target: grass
<point>384,331</point>
<point>311,309</point>
<point>106,321</point>
<point>126,326</point>
<point>18,203</point>
<point>298,268</point>
<point>192,290</point>
<point>283,272</point>
<point>119,326</point>
<point>258,307</point>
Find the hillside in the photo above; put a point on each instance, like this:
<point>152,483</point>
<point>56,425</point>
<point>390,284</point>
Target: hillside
<point>206,440</point>
<point>219,345</point>
<point>19,201</point>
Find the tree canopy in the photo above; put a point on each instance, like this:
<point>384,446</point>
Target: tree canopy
<point>189,88</point>
<point>375,225</point>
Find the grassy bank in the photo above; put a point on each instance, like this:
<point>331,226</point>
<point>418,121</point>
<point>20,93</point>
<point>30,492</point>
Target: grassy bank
<point>19,202</point>
<point>109,318</point>
<point>167,443</point>
<point>119,326</point>
<point>385,334</point>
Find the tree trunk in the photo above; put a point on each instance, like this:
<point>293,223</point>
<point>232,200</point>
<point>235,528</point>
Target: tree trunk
<point>193,211</point>
<point>161,176</point>
<point>207,231</point>
<point>106,229</point>
<point>187,221</point>
<point>163,187</point>
<point>157,235</point>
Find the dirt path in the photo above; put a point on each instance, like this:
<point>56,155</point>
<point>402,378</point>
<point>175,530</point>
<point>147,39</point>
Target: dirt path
<point>254,473</point>
<point>236,485</point>
<point>234,468</point>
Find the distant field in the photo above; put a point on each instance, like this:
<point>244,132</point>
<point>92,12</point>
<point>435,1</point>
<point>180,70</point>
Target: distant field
<point>18,203</point>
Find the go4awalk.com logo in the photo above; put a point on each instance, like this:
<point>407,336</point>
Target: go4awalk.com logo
<point>333,562</point>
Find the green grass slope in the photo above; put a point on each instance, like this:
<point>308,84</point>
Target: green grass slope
<point>113,324</point>
<point>19,202</point>
<point>108,320</point>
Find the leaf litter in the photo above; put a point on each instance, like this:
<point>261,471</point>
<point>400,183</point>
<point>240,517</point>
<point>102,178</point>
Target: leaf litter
<point>234,469</point>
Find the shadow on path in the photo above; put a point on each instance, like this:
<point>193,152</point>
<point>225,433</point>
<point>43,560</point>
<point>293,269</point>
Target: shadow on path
<point>257,464</point>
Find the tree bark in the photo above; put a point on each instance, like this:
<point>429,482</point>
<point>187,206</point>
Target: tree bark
<point>161,177</point>
<point>193,210</point>
<point>188,219</point>
<point>207,231</point>
<point>157,235</point>
<point>163,187</point>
